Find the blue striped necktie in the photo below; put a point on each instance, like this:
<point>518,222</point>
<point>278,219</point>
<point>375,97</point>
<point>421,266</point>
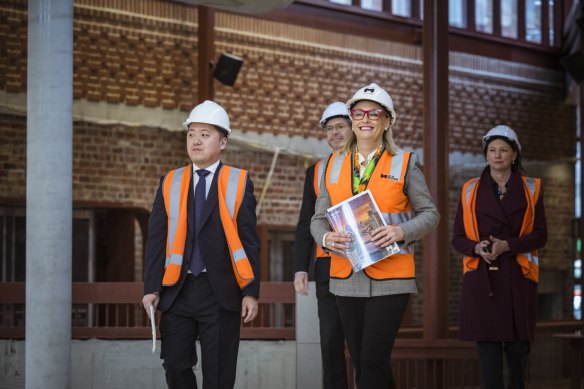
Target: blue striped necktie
<point>197,264</point>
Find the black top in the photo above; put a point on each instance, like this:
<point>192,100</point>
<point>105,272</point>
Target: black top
<point>304,244</point>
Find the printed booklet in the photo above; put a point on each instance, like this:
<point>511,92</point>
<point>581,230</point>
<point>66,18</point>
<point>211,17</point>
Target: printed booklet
<point>359,216</point>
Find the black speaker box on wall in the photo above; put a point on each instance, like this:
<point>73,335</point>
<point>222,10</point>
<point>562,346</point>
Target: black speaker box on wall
<point>227,68</point>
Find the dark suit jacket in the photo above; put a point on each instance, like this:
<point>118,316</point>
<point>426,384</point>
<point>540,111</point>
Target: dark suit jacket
<point>304,242</point>
<point>213,247</point>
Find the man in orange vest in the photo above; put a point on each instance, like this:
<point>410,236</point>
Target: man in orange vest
<point>201,267</point>
<point>335,120</point>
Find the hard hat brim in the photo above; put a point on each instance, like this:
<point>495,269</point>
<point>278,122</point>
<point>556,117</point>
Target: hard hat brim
<point>226,130</point>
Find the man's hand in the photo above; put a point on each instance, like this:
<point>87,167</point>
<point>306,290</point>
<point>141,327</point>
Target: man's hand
<point>150,299</point>
<point>301,282</point>
<point>249,308</point>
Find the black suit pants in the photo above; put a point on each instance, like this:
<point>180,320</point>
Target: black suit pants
<point>371,325</point>
<point>196,314</point>
<point>332,340</point>
<point>491,363</point>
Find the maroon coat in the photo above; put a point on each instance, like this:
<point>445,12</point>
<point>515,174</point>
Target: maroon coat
<point>510,313</point>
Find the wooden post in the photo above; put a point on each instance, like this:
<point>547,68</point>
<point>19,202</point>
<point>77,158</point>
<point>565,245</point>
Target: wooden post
<point>206,38</point>
<point>436,138</point>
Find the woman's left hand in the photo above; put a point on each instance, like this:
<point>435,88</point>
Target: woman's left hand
<point>498,247</point>
<point>386,235</point>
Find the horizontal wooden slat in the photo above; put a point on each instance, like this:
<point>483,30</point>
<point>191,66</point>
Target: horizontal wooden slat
<point>111,333</point>
<point>11,332</point>
<point>144,333</point>
<point>107,292</point>
<point>114,295</point>
<point>132,292</point>
<point>434,349</point>
<point>12,292</point>
<point>277,292</point>
<point>268,333</point>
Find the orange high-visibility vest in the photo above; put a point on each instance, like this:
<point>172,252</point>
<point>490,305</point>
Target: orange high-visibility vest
<point>231,189</point>
<point>387,186</point>
<point>318,172</point>
<point>529,261</point>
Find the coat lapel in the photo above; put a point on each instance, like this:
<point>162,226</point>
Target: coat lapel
<point>495,215</point>
<point>517,202</point>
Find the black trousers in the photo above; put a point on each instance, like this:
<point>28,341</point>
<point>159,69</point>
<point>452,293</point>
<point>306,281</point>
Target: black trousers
<point>194,314</point>
<point>491,363</point>
<point>371,325</point>
<point>332,340</point>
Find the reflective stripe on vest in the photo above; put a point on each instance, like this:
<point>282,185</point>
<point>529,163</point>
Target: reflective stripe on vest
<point>318,173</point>
<point>334,168</point>
<point>388,179</point>
<point>175,201</point>
<point>231,189</point>
<point>529,262</point>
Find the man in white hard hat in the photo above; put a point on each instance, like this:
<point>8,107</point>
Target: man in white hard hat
<point>335,120</point>
<point>201,266</point>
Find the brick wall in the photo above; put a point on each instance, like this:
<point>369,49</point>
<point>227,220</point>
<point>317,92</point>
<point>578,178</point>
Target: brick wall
<point>147,58</point>
<point>121,166</point>
<point>12,156</point>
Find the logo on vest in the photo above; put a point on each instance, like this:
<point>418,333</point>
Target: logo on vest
<point>389,177</point>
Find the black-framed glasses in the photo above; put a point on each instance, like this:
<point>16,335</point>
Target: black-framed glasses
<point>372,114</point>
<point>339,127</point>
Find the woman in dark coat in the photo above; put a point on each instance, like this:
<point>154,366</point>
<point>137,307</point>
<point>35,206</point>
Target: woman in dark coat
<point>499,224</point>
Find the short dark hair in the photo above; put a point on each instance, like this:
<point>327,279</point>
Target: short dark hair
<point>221,131</point>
<point>346,117</point>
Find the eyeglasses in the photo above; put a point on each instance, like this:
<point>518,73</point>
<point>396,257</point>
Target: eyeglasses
<point>372,114</point>
<point>338,127</point>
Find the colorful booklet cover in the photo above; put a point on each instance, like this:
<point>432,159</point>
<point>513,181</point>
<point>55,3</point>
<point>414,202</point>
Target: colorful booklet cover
<point>359,216</point>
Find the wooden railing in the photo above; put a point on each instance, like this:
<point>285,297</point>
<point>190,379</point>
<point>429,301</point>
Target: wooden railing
<point>556,359</point>
<point>113,310</point>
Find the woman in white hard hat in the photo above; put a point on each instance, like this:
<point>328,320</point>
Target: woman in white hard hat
<point>499,226</point>
<point>372,302</point>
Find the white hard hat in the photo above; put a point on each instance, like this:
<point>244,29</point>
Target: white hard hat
<point>503,131</point>
<point>209,112</point>
<point>374,92</point>
<point>336,109</point>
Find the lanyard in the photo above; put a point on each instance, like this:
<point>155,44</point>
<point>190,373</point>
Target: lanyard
<point>360,182</point>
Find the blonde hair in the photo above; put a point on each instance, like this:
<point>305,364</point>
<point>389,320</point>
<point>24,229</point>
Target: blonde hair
<point>387,139</point>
